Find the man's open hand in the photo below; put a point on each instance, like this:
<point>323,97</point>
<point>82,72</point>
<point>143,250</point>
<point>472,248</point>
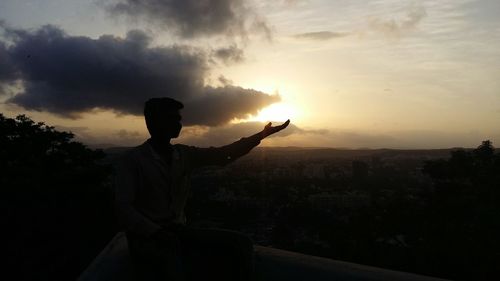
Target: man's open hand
<point>269,130</point>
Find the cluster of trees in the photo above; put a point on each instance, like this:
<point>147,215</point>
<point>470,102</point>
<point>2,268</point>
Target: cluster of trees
<point>464,207</point>
<point>57,199</point>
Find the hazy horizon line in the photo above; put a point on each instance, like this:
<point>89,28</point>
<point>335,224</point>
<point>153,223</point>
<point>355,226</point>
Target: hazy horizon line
<point>112,146</point>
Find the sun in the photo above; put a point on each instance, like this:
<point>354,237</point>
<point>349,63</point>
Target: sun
<point>278,112</point>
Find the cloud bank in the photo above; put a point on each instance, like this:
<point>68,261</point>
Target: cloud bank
<point>70,75</point>
<point>7,70</point>
<point>195,18</point>
<point>8,73</point>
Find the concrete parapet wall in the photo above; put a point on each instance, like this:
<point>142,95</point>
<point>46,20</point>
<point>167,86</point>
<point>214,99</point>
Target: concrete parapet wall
<point>114,263</point>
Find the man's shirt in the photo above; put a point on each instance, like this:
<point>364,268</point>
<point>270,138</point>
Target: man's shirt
<point>151,193</point>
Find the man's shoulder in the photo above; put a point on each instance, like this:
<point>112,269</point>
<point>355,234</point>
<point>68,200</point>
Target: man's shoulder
<point>189,150</point>
<point>180,146</point>
<point>136,152</point>
<point>182,149</point>
<point>188,155</point>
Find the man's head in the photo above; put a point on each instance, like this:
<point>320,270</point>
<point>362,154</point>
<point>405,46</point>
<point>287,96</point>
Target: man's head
<point>163,118</point>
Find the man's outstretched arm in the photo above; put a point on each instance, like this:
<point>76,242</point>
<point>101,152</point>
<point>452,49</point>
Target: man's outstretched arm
<point>226,154</point>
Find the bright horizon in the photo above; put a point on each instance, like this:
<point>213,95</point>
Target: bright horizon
<point>352,74</point>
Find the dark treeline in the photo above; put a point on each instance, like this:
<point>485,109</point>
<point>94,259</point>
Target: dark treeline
<point>56,196</point>
<point>409,211</point>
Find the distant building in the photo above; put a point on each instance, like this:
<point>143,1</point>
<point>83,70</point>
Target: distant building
<point>314,171</point>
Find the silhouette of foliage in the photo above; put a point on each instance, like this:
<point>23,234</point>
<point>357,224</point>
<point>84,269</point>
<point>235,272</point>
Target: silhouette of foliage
<point>36,155</point>
<point>481,162</point>
<point>464,210</point>
<point>485,152</point>
<point>57,195</point>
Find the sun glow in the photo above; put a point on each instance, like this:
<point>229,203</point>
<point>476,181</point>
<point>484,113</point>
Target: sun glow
<point>278,112</point>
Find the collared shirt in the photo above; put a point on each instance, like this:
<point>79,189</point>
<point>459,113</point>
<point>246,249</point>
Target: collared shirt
<point>150,193</point>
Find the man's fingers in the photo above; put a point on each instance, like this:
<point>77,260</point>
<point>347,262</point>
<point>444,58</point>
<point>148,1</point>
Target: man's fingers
<point>271,130</point>
<point>286,123</point>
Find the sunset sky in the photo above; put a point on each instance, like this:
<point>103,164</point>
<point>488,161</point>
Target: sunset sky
<point>348,73</point>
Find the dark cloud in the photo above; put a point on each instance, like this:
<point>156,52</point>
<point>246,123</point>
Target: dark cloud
<point>222,104</point>
<point>229,55</point>
<point>193,18</point>
<point>8,71</point>
<point>321,35</point>
<point>68,75</point>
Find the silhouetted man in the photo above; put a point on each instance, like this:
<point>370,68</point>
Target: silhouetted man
<point>152,186</point>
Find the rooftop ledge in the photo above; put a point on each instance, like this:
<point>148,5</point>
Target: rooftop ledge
<point>114,263</point>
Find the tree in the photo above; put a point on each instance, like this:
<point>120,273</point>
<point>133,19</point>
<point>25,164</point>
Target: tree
<point>485,152</point>
<point>35,155</point>
<point>464,209</point>
<point>57,194</point>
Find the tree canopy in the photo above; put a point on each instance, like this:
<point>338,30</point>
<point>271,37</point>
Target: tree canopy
<point>36,155</point>
<point>57,196</point>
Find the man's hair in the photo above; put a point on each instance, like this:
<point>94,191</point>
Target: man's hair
<point>154,106</point>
